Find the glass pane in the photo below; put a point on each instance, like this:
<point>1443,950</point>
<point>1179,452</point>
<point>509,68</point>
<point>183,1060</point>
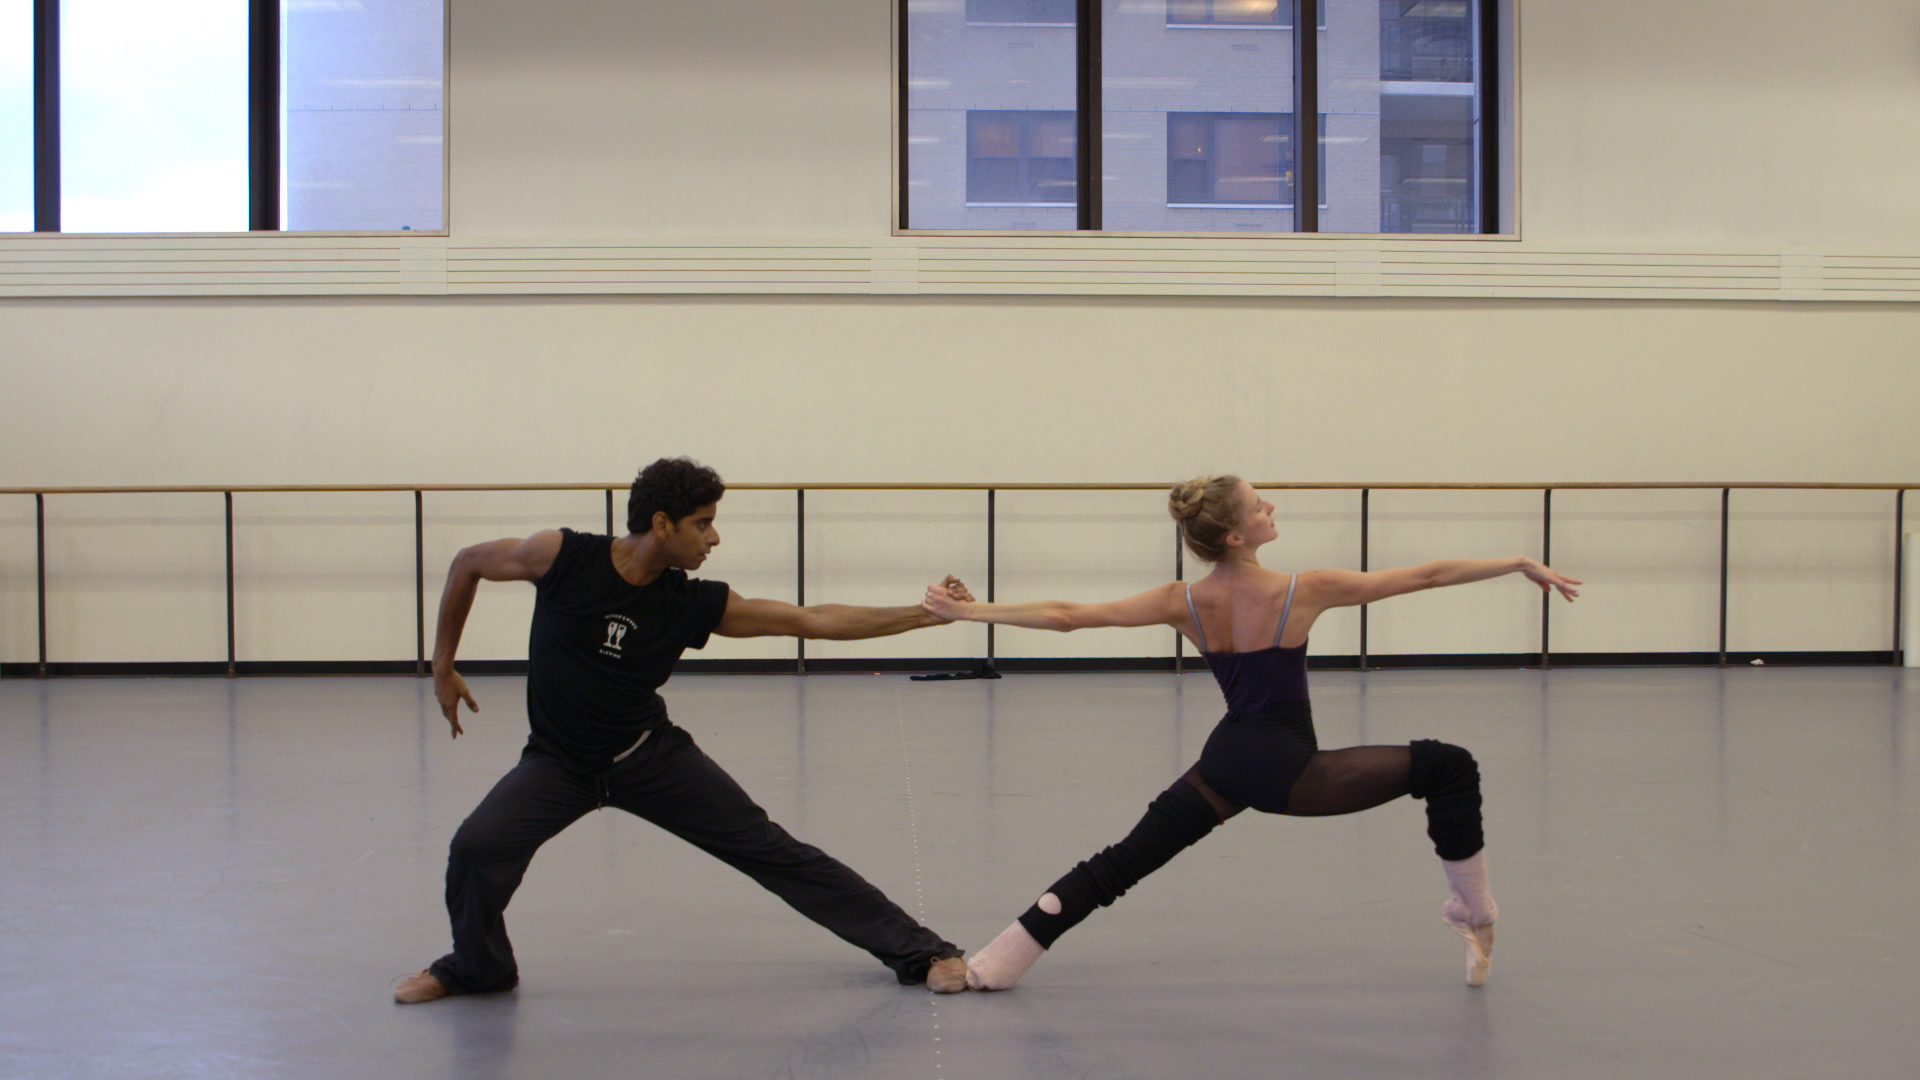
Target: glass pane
<point>995,135</point>
<point>363,129</point>
<point>1020,11</point>
<point>1246,11</point>
<point>990,129</point>
<point>1398,84</point>
<point>1248,156</point>
<point>16,115</point>
<point>153,116</point>
<point>1173,76</point>
<point>1277,12</point>
<point>1240,159</point>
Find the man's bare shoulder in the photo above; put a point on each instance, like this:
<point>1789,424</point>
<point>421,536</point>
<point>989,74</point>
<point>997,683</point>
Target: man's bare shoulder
<point>513,558</point>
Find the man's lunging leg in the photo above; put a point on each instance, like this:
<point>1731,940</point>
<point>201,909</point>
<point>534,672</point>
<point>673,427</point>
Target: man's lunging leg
<point>485,862</point>
<point>680,789</point>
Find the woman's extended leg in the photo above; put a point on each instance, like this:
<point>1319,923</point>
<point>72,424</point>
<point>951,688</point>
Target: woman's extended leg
<point>1176,819</point>
<point>1446,777</point>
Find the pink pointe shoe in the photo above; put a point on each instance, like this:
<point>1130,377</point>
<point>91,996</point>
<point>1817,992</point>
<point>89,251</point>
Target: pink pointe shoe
<point>1479,939</point>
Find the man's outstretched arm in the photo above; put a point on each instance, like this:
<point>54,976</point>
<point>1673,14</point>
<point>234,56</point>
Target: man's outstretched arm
<point>836,622</point>
<point>496,560</point>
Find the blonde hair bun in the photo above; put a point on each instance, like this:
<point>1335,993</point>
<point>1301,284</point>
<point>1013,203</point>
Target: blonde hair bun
<point>1207,509</point>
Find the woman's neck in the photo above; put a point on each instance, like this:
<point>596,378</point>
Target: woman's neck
<point>1239,561</point>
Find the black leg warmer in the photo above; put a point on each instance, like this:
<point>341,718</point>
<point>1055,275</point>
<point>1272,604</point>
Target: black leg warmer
<point>1448,779</point>
<point>1177,818</point>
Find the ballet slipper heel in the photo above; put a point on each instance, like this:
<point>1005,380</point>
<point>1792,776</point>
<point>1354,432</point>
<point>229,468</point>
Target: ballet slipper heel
<point>1479,941</point>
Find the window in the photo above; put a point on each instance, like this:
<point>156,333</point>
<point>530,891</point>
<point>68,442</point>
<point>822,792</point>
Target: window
<point>151,139</point>
<point>1020,157</point>
<point>1426,41</point>
<point>363,142</point>
<point>1229,158</point>
<point>16,115</point>
<point>187,117</point>
<point>1202,116</point>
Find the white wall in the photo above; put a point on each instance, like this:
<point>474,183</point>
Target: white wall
<point>1712,127</point>
<point>596,118</point>
<point>1699,123</point>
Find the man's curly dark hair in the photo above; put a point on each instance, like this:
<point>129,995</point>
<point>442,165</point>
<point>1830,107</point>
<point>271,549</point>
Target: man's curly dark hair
<point>678,486</point>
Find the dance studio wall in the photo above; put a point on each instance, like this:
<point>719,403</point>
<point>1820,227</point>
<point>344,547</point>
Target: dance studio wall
<point>1638,125</point>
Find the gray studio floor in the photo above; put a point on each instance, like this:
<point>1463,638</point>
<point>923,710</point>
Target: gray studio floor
<point>1701,874</point>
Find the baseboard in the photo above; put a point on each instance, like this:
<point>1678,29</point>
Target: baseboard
<point>1023,664</point>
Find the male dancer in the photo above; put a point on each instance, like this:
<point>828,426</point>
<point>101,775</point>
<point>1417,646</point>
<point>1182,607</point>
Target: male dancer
<point>612,616</point>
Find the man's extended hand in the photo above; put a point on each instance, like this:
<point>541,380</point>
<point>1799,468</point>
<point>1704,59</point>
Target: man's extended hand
<point>945,601</point>
<point>451,689</point>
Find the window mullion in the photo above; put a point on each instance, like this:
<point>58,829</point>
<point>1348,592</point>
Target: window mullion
<point>263,115</point>
<point>1087,195</point>
<point>1306,116</point>
<point>903,121</point>
<point>46,115</point>
<point>1486,94</point>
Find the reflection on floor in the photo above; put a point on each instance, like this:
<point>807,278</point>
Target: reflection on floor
<point>1701,874</point>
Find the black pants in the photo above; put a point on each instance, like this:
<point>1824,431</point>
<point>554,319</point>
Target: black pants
<point>671,783</point>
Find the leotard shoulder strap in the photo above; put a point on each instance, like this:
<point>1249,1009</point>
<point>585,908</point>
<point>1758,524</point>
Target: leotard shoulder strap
<point>1197,629</point>
<point>1285,609</point>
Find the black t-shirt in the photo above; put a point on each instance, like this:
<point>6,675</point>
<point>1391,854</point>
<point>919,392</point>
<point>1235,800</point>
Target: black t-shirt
<point>601,646</point>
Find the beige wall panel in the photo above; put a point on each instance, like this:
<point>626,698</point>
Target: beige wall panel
<point>19,582</point>
<point>601,118</point>
<point>325,576</point>
<point>1413,527</point>
<point>1087,546</point>
<point>136,578</point>
<point>1069,391</point>
<point>956,390</point>
<point>1811,570</point>
<point>497,626</point>
<point>1096,391</point>
<point>884,548</point>
<point>1651,564</point>
<point>1663,136</point>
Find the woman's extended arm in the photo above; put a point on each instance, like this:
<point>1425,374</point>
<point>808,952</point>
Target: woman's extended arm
<point>1149,608</point>
<point>1345,588</point>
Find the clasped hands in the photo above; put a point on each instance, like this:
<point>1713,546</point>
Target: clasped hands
<point>943,600</point>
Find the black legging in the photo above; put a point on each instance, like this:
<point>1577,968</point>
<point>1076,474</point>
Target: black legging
<point>1330,782</point>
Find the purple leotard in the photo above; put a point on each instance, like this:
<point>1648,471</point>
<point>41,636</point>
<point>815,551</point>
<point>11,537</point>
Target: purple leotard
<point>1255,680</point>
<point>1259,748</point>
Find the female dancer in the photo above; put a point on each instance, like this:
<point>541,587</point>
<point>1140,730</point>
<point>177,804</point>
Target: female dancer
<point>1251,625</point>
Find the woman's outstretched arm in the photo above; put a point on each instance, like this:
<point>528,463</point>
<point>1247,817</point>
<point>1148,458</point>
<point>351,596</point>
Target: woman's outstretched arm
<point>1150,608</point>
<point>1346,588</point>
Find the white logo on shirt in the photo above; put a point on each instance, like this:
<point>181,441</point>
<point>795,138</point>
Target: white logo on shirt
<point>617,627</point>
